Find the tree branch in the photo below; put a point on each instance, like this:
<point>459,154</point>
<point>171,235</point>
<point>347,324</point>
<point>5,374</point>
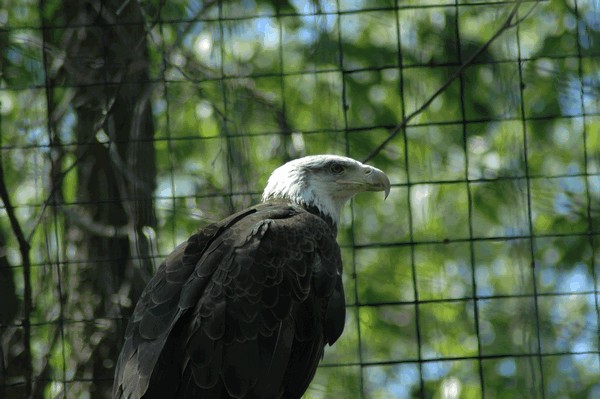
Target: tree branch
<point>508,23</point>
<point>24,248</point>
<point>82,219</point>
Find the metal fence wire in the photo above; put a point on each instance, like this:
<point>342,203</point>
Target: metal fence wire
<point>127,125</point>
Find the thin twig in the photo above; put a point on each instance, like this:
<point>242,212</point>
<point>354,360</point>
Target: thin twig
<point>508,23</point>
<point>82,219</point>
<point>24,248</point>
<point>56,185</point>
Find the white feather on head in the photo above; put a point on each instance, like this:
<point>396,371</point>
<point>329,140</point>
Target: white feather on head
<point>311,181</point>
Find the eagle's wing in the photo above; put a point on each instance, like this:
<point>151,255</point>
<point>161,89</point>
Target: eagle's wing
<point>244,307</point>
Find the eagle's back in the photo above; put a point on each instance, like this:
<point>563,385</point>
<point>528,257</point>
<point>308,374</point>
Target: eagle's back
<point>242,309</point>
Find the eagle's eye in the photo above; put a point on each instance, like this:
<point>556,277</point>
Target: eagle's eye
<point>336,168</point>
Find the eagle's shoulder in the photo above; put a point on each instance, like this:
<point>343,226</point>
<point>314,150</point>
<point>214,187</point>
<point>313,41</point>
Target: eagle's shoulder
<point>289,217</point>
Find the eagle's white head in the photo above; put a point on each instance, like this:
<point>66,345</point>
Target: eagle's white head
<point>326,182</point>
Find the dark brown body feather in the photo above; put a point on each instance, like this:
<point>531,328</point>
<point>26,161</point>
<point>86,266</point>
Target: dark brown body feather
<point>243,309</point>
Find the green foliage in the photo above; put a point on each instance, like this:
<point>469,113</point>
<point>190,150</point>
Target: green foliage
<point>496,185</point>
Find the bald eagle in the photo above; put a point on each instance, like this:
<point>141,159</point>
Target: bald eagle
<point>245,307</point>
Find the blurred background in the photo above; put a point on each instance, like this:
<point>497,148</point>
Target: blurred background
<point>126,125</point>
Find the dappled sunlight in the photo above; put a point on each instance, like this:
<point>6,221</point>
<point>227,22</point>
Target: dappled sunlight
<point>128,126</point>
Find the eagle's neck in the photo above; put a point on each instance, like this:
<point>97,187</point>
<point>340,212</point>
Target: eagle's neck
<point>316,211</point>
<point>293,186</point>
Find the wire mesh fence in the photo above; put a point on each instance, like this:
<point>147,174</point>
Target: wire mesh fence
<point>125,126</point>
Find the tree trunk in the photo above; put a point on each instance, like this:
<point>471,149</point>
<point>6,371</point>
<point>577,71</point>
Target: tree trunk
<point>105,60</point>
<point>12,363</point>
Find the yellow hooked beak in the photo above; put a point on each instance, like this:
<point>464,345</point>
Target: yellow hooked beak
<point>368,178</point>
